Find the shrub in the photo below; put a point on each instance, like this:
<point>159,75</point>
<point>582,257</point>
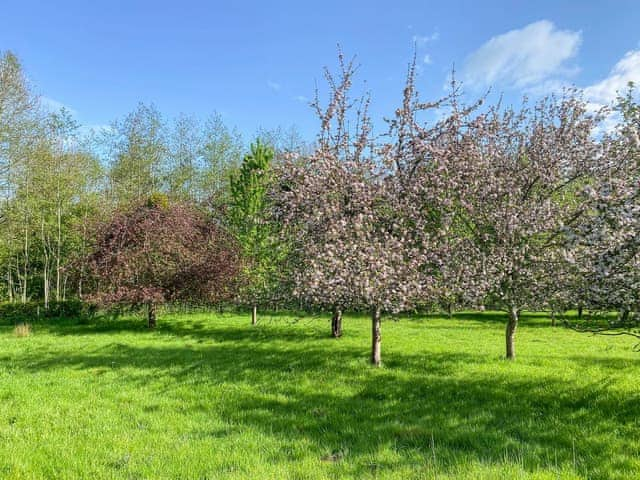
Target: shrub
<point>18,313</point>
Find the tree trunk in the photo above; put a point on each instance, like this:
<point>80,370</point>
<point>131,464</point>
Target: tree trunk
<point>151,315</point>
<point>26,266</point>
<point>553,318</point>
<point>10,283</point>
<point>449,310</point>
<point>512,324</point>
<point>376,337</point>
<point>624,315</point>
<point>45,268</point>
<point>58,254</point>
<point>254,315</point>
<point>580,312</point>
<point>336,323</point>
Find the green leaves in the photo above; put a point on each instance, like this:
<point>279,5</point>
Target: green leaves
<point>248,217</point>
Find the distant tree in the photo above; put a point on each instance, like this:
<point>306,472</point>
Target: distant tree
<point>220,154</point>
<point>200,158</point>
<point>284,142</point>
<point>19,136</point>
<point>183,149</point>
<point>136,149</point>
<point>156,252</point>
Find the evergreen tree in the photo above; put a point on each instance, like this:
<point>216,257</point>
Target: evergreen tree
<point>248,209</point>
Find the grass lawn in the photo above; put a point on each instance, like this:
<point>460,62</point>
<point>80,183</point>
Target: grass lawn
<point>209,396</point>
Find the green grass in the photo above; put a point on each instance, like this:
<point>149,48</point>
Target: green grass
<point>208,396</point>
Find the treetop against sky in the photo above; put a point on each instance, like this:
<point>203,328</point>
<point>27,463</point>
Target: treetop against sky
<point>257,63</point>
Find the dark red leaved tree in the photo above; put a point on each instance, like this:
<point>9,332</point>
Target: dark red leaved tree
<point>158,252</point>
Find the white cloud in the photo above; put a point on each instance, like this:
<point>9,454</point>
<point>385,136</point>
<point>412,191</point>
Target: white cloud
<point>274,85</point>
<point>427,59</point>
<point>301,99</point>
<point>524,56</point>
<point>625,71</point>
<point>605,92</point>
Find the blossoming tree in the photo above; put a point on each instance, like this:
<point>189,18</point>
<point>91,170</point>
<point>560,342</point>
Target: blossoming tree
<point>510,181</point>
<point>359,242</point>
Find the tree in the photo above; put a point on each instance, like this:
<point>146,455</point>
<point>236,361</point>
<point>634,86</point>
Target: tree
<point>137,155</point>
<point>220,153</point>
<point>158,251</point>
<point>605,247</point>
<point>509,183</point>
<point>18,132</point>
<point>184,144</point>
<point>284,142</point>
<point>247,212</point>
<point>358,239</point>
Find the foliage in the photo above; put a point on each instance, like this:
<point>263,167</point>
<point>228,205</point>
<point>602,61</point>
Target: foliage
<point>248,217</point>
<point>33,311</point>
<point>154,252</point>
<point>606,247</point>
<point>509,194</point>
<point>356,240</point>
<point>534,207</point>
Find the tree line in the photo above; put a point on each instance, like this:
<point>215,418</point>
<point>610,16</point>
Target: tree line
<point>528,207</point>
<point>59,181</point>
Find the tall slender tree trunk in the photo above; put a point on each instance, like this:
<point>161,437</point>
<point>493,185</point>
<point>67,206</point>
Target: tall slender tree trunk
<point>376,337</point>
<point>45,268</point>
<point>336,323</point>
<point>84,254</point>
<point>26,265</point>
<point>10,282</point>
<point>624,315</point>
<point>512,325</point>
<point>58,254</point>
<point>580,312</point>
<point>449,310</point>
<point>45,281</point>
<point>18,279</point>
<point>151,315</point>
<point>254,315</point>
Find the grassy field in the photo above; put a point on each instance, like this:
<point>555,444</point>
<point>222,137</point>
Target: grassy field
<point>208,396</point>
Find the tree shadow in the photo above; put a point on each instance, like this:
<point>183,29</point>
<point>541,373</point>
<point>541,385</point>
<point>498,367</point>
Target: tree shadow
<point>419,405</point>
<point>214,327</point>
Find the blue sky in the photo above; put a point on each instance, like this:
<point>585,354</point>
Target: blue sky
<point>256,63</point>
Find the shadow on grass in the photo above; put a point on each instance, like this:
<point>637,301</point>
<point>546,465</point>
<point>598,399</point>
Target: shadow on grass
<point>418,405</point>
<point>200,328</point>
<point>280,324</point>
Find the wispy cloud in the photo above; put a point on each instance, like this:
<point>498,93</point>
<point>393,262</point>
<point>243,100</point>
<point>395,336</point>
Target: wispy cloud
<point>605,92</point>
<point>53,105</point>
<point>423,40</point>
<point>626,70</point>
<point>420,44</point>
<point>275,86</point>
<point>301,99</point>
<point>522,57</point>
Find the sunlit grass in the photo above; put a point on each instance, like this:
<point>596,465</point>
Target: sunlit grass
<point>209,396</point>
